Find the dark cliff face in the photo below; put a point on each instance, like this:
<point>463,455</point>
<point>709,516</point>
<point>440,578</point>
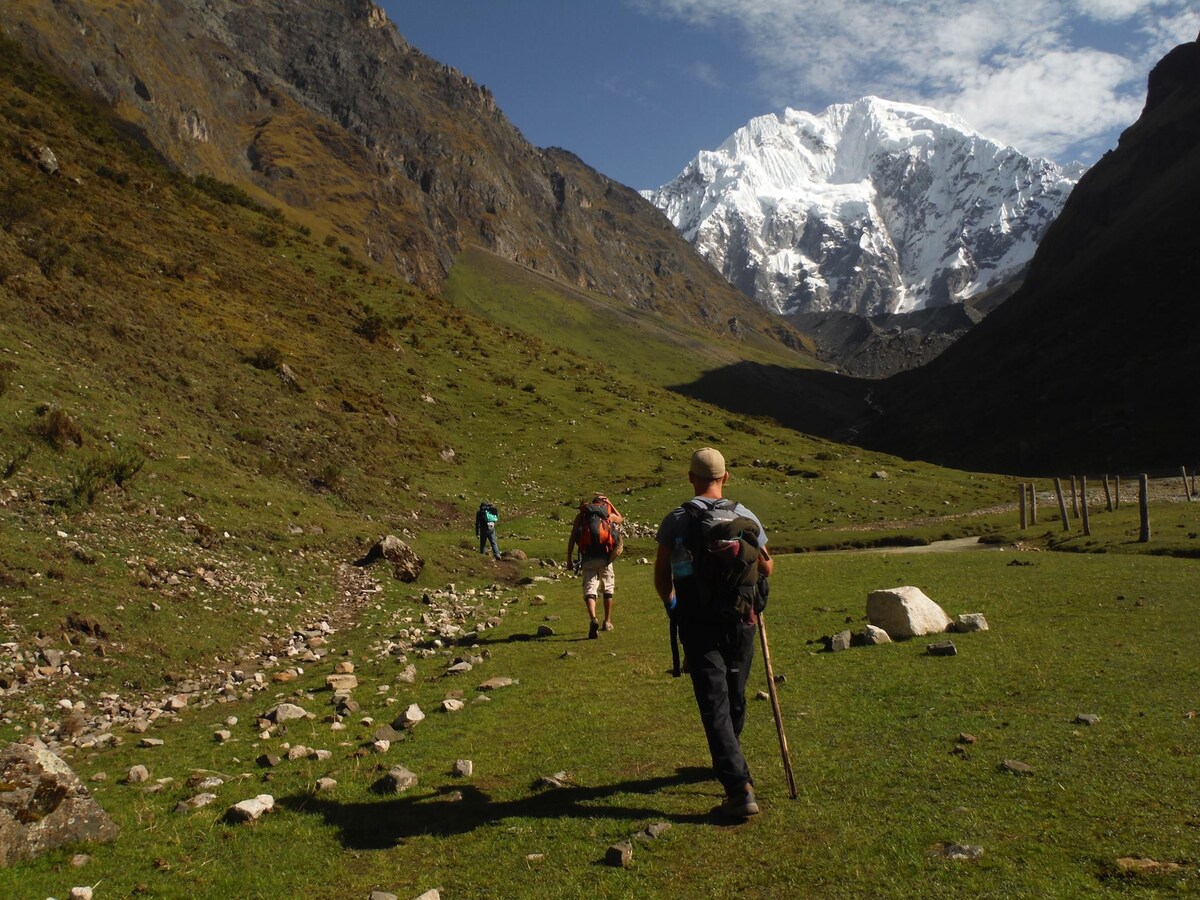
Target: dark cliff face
<point>325,107</point>
<point>1093,363</point>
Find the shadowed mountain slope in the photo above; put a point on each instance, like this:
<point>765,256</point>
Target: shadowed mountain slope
<point>1094,362</point>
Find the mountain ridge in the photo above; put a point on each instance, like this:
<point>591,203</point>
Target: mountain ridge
<point>871,207</point>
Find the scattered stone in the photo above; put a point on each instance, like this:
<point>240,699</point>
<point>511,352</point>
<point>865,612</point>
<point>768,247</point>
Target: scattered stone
<point>942,648</point>
<point>381,746</point>
<point>387,733</point>
<point>410,718</point>
<point>535,857</point>
<point>339,684</point>
<point>197,802</point>
<point>222,736</point>
<point>494,684</point>
<point>619,855</point>
<point>1016,767</point>
<point>464,768</point>
<point>268,760</point>
<point>326,784</point>
<point>285,712</point>
<point>299,752</point>
<point>968,622</point>
<point>567,654</point>
<point>840,641</point>
<point>880,474</point>
<point>459,668</point>
<point>452,705</point>
<point>872,636</point>
<point>1137,865</point>
<point>345,667</point>
<point>151,742</point>
<point>968,852</point>
<point>557,780</point>
<point>44,805</point>
<point>1088,719</point>
<point>545,631</point>
<point>431,894</point>
<point>965,738</point>
<point>905,612</point>
<point>79,860</point>
<point>762,695</point>
<point>47,161</point>
<point>81,893</point>
<point>250,810</point>
<point>99,776</point>
<point>382,895</point>
<point>396,781</point>
<point>406,565</point>
<point>653,832</point>
<point>137,775</point>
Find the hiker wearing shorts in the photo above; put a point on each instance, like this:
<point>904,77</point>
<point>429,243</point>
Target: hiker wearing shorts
<point>718,651</point>
<point>596,559</point>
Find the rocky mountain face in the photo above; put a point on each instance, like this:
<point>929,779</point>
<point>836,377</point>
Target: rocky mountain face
<point>323,107</point>
<point>1095,359</point>
<point>869,208</point>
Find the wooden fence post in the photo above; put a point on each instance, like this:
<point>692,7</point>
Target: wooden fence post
<point>1032,505</point>
<point>1144,504</point>
<point>1118,487</point>
<point>1087,526</point>
<point>1021,505</point>
<point>1062,504</point>
<point>1107,494</point>
<point>1187,494</point>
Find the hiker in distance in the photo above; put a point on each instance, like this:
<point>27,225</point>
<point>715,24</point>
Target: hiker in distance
<point>486,518</point>
<point>597,535</point>
<point>712,552</point>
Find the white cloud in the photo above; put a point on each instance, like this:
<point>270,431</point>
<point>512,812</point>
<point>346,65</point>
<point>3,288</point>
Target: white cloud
<point>1039,74</point>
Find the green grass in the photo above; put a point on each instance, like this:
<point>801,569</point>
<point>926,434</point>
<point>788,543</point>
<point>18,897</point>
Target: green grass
<point>871,732</point>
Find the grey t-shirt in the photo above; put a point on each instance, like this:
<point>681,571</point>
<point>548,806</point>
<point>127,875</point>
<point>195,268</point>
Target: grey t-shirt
<point>675,524</point>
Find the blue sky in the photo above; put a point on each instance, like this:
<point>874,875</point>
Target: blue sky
<point>637,87</point>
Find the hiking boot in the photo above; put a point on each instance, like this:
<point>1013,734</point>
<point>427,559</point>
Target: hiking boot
<point>739,806</point>
<point>594,630</point>
<point>607,626</point>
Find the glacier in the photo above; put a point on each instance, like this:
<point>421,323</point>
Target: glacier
<point>872,207</point>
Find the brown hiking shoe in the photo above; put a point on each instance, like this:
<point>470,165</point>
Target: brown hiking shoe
<point>739,806</point>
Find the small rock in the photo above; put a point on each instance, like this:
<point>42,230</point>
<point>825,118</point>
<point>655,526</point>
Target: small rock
<point>410,718</point>
<point>150,742</point>
<point>965,738</point>
<point>545,631</point>
<point>493,684</point>
<point>619,855</point>
<point>557,780</point>
<point>387,733</point>
<point>396,781</point>
<point>1136,865</point>
<point>79,860</point>
<point>872,636</point>
<point>969,622</point>
<point>431,894</point>
<point>762,695</point>
<point>452,705</point>
<point>138,775</point>
<point>840,641</point>
<point>251,810</point>
<point>285,712</point>
<point>339,684</point>
<point>382,895</point>
<point>80,893</point>
<point>197,802</point>
<point>653,832</point>
<point>1087,719</point>
<point>345,667</point>
<point>222,736</point>
<point>1016,767</point>
<point>268,760</point>
<point>326,784</point>
<point>958,852</point>
<point>942,648</point>
<point>464,768</point>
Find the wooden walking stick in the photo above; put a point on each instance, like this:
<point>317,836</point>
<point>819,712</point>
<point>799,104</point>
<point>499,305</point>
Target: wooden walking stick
<point>783,745</point>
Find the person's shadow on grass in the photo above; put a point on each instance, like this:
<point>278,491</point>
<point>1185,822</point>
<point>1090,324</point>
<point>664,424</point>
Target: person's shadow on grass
<point>382,824</point>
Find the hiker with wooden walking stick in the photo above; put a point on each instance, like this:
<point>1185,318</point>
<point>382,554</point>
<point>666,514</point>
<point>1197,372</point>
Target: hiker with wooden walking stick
<point>712,552</point>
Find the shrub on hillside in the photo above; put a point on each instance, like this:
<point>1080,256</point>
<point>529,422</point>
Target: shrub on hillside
<point>96,475</point>
<point>266,357</point>
<point>15,463</point>
<point>56,428</point>
<point>372,326</point>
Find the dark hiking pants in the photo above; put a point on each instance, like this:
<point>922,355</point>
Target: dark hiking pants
<point>719,662</point>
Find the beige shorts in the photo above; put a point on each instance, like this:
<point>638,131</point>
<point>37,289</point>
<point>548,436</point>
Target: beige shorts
<point>598,573</point>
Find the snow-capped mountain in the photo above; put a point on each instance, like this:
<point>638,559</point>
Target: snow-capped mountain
<point>870,207</point>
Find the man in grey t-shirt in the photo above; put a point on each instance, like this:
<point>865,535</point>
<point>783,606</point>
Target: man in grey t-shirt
<point>719,654</point>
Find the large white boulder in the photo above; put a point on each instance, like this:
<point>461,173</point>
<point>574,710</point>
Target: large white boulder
<point>905,612</point>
